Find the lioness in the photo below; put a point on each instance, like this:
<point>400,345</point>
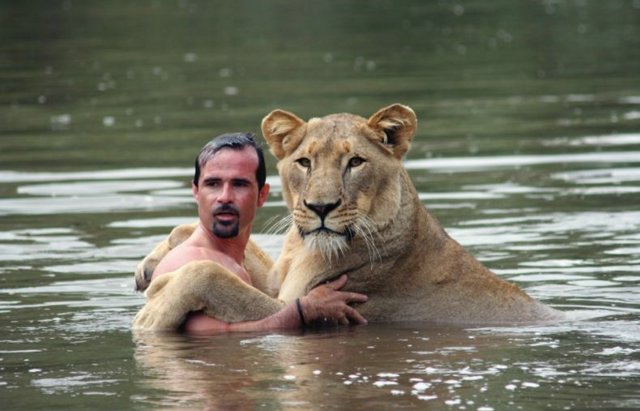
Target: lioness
<point>354,211</point>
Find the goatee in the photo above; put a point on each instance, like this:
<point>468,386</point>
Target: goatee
<point>225,228</point>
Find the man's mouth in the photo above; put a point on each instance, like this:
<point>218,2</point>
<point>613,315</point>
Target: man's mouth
<point>226,212</point>
<point>225,218</point>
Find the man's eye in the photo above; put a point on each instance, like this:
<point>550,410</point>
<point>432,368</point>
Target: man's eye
<point>356,161</point>
<point>304,162</point>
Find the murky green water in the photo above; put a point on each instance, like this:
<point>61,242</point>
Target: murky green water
<point>528,152</point>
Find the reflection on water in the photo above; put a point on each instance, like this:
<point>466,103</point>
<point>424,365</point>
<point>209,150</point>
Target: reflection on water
<point>432,366</point>
<point>528,152</point>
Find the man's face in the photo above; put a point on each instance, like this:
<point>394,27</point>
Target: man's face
<point>227,193</point>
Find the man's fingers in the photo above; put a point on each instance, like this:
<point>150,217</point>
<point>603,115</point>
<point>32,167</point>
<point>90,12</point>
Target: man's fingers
<point>335,304</point>
<point>355,316</point>
<point>351,297</point>
<point>338,283</point>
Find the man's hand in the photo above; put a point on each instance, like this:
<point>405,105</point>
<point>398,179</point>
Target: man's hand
<point>325,304</point>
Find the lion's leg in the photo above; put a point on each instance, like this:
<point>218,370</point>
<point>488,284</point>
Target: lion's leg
<point>202,285</point>
<point>166,307</point>
<point>149,263</point>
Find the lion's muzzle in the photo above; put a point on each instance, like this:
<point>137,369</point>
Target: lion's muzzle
<point>322,209</point>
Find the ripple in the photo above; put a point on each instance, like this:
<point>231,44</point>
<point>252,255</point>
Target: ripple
<point>618,369</point>
<point>605,140</point>
<point>88,287</point>
<point>602,191</point>
<point>69,383</point>
<point>89,204</point>
<point>593,283</point>
<point>554,224</point>
<point>94,188</point>
<point>463,195</point>
<point>600,176</point>
<point>59,244</point>
<point>152,222</point>
<point>497,162</point>
<point>94,267</point>
<point>127,173</point>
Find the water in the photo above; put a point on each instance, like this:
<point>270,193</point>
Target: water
<point>528,152</point>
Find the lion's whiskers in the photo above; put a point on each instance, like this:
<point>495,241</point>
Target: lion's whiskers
<point>366,228</point>
<point>328,245</point>
<point>278,225</point>
<point>332,246</point>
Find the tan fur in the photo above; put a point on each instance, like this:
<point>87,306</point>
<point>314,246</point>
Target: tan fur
<point>376,230</point>
<point>256,261</point>
<point>202,285</point>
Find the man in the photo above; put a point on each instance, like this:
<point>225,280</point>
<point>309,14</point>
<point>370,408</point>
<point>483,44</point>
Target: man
<point>229,185</point>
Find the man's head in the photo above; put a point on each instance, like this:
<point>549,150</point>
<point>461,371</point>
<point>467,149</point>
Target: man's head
<point>233,141</point>
<point>229,184</point>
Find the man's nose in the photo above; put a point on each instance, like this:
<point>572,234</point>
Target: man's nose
<point>226,194</point>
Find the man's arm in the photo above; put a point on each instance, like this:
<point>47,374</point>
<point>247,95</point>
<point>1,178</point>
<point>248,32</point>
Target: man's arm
<point>324,304</point>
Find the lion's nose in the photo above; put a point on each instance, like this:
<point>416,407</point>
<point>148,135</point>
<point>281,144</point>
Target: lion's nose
<point>322,209</point>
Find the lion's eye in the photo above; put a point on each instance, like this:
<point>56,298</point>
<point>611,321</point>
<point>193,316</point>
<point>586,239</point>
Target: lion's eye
<point>304,162</point>
<point>356,161</point>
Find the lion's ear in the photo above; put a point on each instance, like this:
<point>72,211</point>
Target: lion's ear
<point>283,132</point>
<point>396,124</point>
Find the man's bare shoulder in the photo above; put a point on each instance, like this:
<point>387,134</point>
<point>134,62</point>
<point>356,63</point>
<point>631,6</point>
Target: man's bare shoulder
<point>181,255</point>
<point>188,252</point>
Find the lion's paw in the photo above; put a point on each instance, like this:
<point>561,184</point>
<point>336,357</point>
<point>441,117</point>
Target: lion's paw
<point>147,266</point>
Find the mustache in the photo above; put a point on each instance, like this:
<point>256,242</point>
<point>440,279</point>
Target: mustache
<point>226,209</point>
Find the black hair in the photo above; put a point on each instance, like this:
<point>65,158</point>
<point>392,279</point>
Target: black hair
<point>234,141</point>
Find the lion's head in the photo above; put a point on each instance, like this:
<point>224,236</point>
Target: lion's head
<point>340,172</point>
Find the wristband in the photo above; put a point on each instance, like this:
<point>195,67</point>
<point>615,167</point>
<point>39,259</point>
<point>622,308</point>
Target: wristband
<point>304,323</point>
